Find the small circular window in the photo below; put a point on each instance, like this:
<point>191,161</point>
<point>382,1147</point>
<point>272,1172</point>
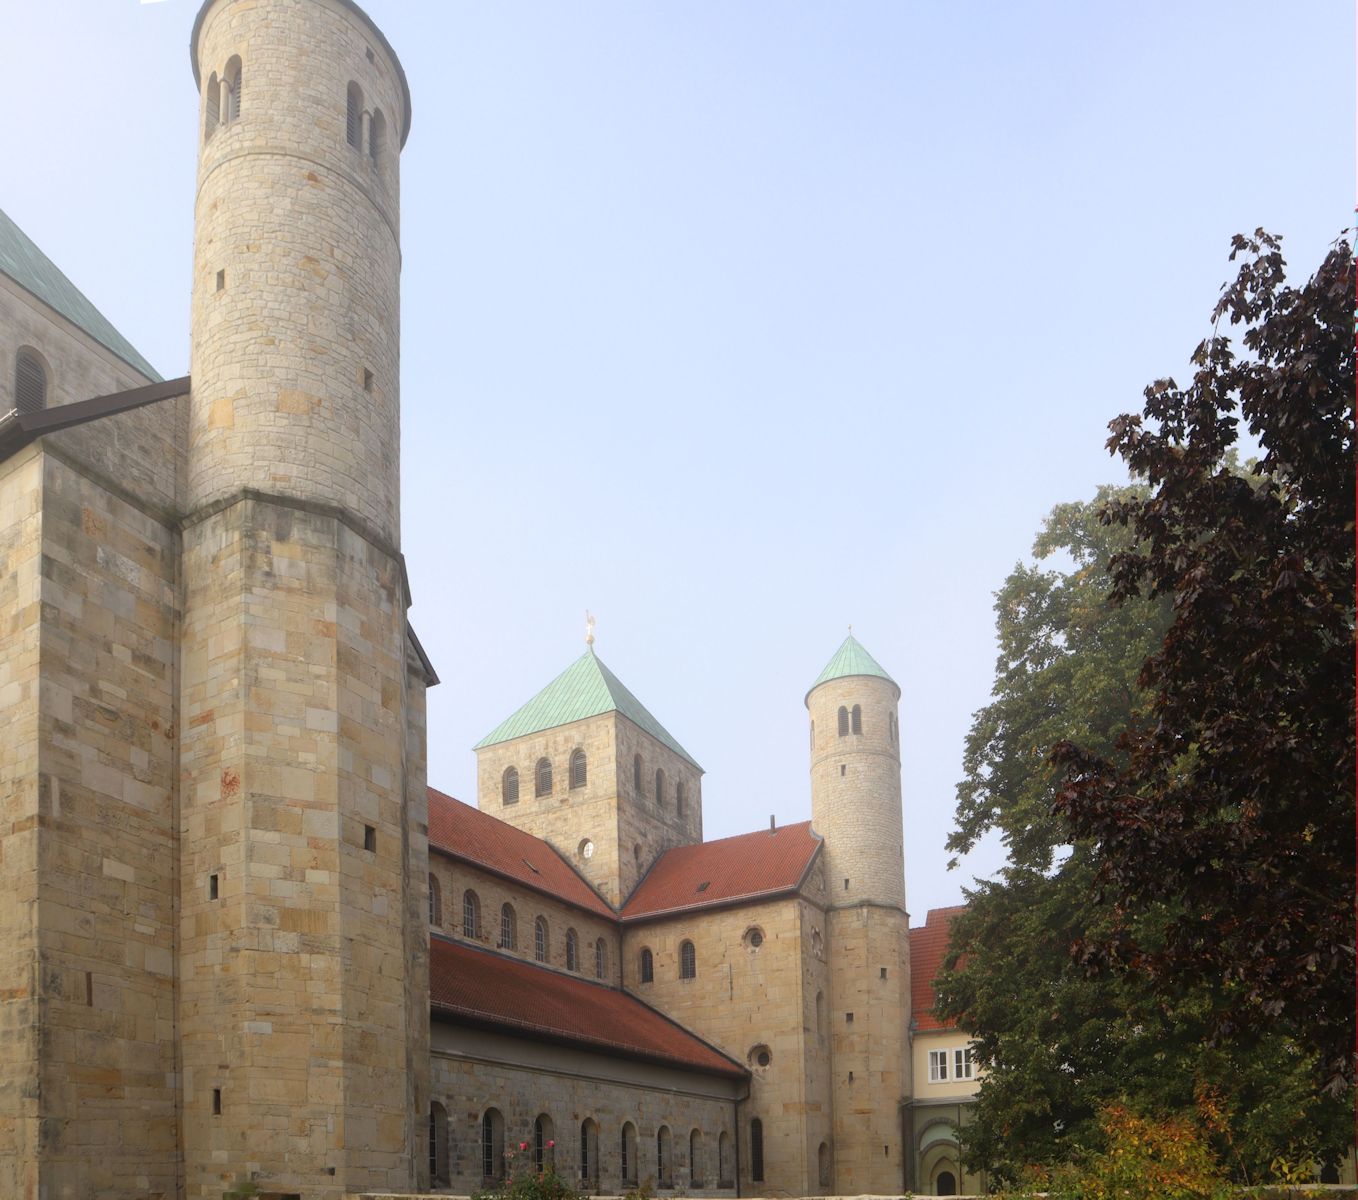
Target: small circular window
<point>760,1057</point>
<point>754,938</point>
<point>587,849</point>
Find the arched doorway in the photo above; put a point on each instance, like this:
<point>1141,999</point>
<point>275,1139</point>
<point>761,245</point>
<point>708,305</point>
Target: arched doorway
<point>945,1184</point>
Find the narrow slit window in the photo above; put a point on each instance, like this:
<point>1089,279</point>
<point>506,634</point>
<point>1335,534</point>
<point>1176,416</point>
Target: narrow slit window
<point>212,887</point>
<point>369,838</point>
<point>216,1102</point>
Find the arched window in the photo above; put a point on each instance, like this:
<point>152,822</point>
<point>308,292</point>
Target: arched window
<point>589,1153</point>
<point>600,959</point>
<point>757,1150</point>
<point>856,718</point>
<point>679,797</point>
<point>695,1159</point>
<point>492,1145</point>
<point>30,382</point>
<point>471,914</point>
<point>725,1161</point>
<point>542,778</point>
<point>353,116</point>
<point>212,100</point>
<point>540,939</point>
<point>377,135</point>
<point>572,951</point>
<point>509,928</point>
<point>636,773</point>
<point>843,721</point>
<point>435,902</point>
<point>647,965</point>
<point>579,769</point>
<point>231,89</point>
<point>664,1159</point>
<point>544,1143</point>
<point>688,961</point>
<point>659,788</point>
<point>629,1152</point>
<point>823,1163</point>
<point>438,1144</point>
<point>509,786</point>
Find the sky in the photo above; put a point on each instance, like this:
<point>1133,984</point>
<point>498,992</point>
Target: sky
<point>739,323</point>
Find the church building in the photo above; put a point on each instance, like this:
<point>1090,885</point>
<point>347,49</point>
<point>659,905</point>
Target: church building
<point>246,946</point>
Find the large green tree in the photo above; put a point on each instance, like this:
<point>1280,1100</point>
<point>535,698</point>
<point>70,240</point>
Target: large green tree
<point>1222,827</point>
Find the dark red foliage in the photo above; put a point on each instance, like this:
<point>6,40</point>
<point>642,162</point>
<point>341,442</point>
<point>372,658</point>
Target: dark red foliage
<point>1227,841</point>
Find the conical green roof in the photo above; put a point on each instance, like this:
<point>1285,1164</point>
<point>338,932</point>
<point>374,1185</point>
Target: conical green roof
<point>33,271</point>
<point>850,659</point>
<point>584,689</point>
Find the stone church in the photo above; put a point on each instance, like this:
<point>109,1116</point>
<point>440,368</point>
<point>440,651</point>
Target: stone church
<point>246,948</point>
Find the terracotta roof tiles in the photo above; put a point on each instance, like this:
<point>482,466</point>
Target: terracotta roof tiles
<point>464,832</point>
<point>487,990</point>
<point>742,868</point>
<point>928,948</point>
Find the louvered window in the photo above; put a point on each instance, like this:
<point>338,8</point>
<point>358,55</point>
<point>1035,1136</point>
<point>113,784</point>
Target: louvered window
<point>579,769</point>
<point>843,721</point>
<point>213,105</point>
<point>353,115</point>
<point>30,383</point>
<point>857,718</point>
<point>509,786</point>
<point>377,134</point>
<point>543,784</point>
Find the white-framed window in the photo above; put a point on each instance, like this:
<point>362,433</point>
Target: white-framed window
<point>961,1061</point>
<point>938,1066</point>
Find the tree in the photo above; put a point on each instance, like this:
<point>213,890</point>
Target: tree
<point>1221,828</point>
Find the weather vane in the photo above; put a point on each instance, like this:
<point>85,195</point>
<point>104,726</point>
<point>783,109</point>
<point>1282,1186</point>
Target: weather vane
<point>589,628</point>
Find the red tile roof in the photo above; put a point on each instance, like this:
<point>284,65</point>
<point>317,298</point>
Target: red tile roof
<point>464,832</point>
<point>477,987</point>
<point>742,868</point>
<point>928,948</point>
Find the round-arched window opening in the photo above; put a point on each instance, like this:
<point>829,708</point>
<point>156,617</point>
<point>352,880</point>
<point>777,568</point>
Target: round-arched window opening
<point>760,1057</point>
<point>754,938</point>
<point>586,849</point>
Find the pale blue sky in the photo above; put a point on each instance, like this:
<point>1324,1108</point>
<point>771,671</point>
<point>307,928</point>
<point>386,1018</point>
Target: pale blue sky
<point>738,322</point>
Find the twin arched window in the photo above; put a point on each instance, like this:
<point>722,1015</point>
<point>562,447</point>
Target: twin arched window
<point>540,939</point>
<point>572,951</point>
<point>579,772</point>
<point>30,382</point>
<point>688,961</point>
<point>223,97</point>
<point>647,966</point>
<point>850,720</point>
<point>355,125</point>
<point>509,928</point>
<point>509,786</point>
<point>435,902</point>
<point>471,914</point>
<point>542,778</point>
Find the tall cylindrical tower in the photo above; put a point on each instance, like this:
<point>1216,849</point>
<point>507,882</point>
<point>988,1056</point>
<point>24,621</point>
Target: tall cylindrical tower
<point>303,992</point>
<point>856,808</point>
<point>295,356</point>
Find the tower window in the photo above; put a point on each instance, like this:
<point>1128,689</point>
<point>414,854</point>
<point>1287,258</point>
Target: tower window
<point>30,382</point>
<point>212,890</point>
<point>659,788</point>
<point>679,797</point>
<point>509,786</point>
<point>435,902</point>
<point>216,1102</point>
<point>509,928</point>
<point>221,281</point>
<point>647,966</point>
<point>370,838</point>
<point>211,106</point>
<point>471,914</point>
<point>231,91</point>
<point>353,115</point>
<point>540,940</point>
<point>572,951</point>
<point>688,961</point>
<point>367,380</point>
<point>377,135</point>
<point>856,718</point>
<point>542,779</point>
<point>843,721</point>
<point>891,727</point>
<point>843,770</point>
<point>579,769</point>
<point>636,773</point>
<point>848,1018</point>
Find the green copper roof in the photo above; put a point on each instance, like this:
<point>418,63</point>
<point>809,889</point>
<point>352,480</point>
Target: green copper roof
<point>584,689</point>
<point>850,659</point>
<point>33,271</point>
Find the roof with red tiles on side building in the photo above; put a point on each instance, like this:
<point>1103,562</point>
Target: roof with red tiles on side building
<point>928,948</point>
<point>464,832</point>
<point>747,867</point>
<point>477,987</point>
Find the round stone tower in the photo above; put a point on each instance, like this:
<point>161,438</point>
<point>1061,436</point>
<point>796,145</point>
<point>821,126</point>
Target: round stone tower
<point>295,356</point>
<point>303,962</point>
<point>856,808</point>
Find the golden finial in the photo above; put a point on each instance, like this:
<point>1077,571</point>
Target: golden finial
<point>589,628</point>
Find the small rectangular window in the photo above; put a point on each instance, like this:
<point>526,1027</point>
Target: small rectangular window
<point>212,887</point>
<point>883,972</point>
<point>850,1076</point>
<point>89,989</point>
<point>369,838</point>
<point>938,1066</point>
<point>848,1018</point>
<point>216,1102</point>
<point>221,281</point>
<point>367,380</point>
<point>846,885</point>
